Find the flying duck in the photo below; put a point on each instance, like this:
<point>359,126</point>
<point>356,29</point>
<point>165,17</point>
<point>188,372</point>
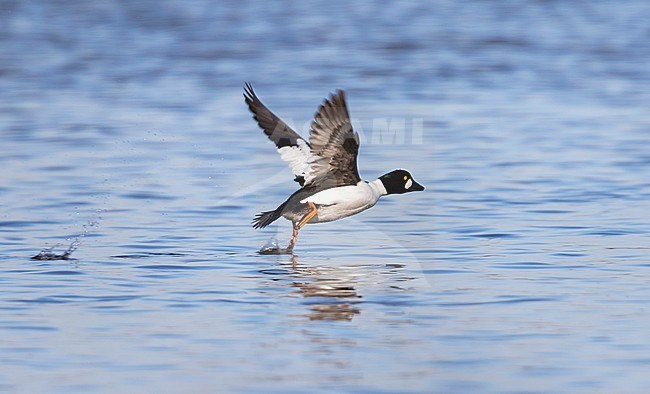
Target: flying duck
<point>325,167</point>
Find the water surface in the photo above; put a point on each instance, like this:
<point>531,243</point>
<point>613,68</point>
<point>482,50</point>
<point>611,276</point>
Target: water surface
<point>523,267</point>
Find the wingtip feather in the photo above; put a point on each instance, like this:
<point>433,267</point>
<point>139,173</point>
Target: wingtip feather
<point>249,93</point>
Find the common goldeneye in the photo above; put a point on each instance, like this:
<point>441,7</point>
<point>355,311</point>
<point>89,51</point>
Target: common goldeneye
<point>325,167</point>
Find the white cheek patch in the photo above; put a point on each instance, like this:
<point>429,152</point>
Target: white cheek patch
<point>409,183</point>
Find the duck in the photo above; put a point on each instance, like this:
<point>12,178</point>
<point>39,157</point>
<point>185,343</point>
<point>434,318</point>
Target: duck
<point>325,167</point>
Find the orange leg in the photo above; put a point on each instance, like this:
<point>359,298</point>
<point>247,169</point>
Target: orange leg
<point>309,215</point>
<point>297,226</point>
<point>294,237</point>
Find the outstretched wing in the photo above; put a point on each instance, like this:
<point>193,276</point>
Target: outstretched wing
<point>334,145</point>
<point>292,147</point>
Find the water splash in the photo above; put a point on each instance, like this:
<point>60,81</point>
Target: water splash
<point>49,254</point>
<point>273,247</point>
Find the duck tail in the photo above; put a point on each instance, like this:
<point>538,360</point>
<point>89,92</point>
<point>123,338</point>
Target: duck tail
<point>263,219</point>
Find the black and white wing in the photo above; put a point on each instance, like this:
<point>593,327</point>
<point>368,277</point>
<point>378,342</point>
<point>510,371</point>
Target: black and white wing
<point>334,145</point>
<point>292,147</point>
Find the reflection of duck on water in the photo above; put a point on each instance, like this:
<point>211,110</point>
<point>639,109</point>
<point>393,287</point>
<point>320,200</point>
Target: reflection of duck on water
<point>331,291</point>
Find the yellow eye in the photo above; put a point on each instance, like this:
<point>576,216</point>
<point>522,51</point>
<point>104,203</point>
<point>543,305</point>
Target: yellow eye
<point>405,177</point>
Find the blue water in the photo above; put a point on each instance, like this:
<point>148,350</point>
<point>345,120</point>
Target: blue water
<point>524,266</point>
